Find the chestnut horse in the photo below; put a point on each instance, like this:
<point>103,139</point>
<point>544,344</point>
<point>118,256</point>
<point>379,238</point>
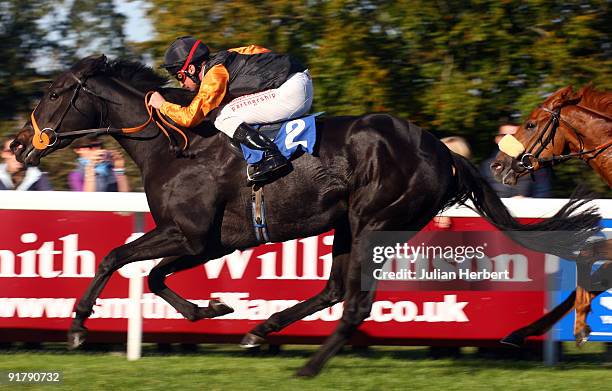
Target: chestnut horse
<point>568,125</point>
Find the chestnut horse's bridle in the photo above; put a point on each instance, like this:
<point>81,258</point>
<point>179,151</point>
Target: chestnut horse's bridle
<point>546,137</point>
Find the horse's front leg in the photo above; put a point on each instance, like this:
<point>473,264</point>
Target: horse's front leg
<point>189,310</point>
<point>589,286</point>
<point>160,242</point>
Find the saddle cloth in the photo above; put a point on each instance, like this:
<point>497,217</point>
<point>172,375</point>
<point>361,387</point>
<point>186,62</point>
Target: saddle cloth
<point>290,136</point>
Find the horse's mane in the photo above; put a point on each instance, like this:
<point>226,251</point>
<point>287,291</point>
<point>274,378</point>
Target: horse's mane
<point>594,99</point>
<point>138,75</point>
<point>134,73</point>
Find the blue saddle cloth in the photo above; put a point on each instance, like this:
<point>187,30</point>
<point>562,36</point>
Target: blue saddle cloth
<point>295,134</point>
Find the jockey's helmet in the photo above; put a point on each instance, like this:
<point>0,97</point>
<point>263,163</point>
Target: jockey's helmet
<point>183,52</point>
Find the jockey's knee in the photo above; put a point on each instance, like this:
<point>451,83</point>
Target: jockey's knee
<point>227,124</point>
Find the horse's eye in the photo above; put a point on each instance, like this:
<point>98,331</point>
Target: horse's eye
<point>530,125</point>
<point>53,95</point>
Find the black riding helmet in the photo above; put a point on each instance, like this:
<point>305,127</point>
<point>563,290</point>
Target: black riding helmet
<point>178,57</point>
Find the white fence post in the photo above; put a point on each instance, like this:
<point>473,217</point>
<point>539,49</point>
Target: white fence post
<point>134,335</point>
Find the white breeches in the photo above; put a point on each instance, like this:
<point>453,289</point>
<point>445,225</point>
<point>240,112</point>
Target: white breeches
<point>292,99</point>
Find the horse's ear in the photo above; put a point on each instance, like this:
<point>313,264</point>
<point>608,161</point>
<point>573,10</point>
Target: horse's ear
<point>89,65</point>
<point>562,97</point>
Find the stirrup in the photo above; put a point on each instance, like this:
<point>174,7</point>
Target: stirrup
<point>265,175</point>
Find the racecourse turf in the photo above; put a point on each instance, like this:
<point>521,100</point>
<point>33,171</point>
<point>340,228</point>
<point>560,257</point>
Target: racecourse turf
<point>225,367</point>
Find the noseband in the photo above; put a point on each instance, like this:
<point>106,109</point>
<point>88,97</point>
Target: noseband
<point>544,139</point>
<point>48,136</point>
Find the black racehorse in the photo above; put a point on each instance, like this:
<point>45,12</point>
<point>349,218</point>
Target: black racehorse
<point>370,173</point>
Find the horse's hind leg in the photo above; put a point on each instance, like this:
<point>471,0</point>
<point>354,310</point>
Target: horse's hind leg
<point>189,310</point>
<point>580,298</point>
<point>332,293</point>
<point>357,306</point>
<point>154,244</point>
<point>542,325</point>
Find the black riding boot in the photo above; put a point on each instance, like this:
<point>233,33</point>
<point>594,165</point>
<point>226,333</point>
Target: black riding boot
<point>272,160</point>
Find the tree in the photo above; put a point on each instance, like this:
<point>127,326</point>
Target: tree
<point>453,67</point>
<point>21,36</point>
<point>40,37</point>
<point>90,27</point>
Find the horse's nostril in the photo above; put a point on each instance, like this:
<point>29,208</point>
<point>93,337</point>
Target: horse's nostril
<point>496,166</point>
<point>15,146</point>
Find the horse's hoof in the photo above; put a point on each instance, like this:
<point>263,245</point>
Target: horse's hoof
<point>251,341</point>
<point>513,340</point>
<point>307,372</point>
<point>76,338</point>
<point>583,336</point>
<point>219,308</point>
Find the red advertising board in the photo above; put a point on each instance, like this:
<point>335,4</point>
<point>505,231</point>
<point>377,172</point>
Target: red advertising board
<point>47,259</point>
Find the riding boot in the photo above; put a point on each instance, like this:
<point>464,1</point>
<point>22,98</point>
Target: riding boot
<point>272,160</point>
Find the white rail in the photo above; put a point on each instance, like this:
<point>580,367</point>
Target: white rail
<point>137,202</point>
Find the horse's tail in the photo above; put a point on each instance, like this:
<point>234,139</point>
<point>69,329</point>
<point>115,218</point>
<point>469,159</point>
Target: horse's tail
<point>564,234</point>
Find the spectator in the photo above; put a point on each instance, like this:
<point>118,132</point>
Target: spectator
<point>525,187</point>
<point>14,176</point>
<point>458,145</point>
<point>461,147</point>
<point>98,169</point>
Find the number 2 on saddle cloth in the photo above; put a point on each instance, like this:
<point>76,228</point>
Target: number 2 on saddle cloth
<point>290,136</point>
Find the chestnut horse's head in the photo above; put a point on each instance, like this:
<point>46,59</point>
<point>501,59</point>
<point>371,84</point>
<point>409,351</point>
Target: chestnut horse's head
<point>67,105</point>
<point>542,136</point>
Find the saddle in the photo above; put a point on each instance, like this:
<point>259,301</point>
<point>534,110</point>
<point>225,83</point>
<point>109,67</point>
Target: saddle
<point>270,130</point>
<point>273,131</point>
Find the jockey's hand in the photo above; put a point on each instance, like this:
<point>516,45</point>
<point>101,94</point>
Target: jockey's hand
<point>156,100</point>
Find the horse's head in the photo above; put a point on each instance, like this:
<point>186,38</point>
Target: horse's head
<point>67,105</point>
<point>536,139</point>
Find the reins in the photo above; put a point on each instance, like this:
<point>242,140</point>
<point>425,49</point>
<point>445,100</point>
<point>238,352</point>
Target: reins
<point>47,137</point>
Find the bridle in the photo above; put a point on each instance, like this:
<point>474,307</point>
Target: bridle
<point>48,136</point>
<point>546,137</point>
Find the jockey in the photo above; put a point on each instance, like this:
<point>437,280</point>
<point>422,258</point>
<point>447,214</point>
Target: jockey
<point>247,85</point>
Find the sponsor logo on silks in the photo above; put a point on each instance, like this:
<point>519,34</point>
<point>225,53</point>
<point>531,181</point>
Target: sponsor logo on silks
<point>296,134</point>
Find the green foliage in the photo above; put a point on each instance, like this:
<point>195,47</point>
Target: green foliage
<point>39,36</point>
<point>91,26</point>
<point>20,37</point>
<point>454,67</point>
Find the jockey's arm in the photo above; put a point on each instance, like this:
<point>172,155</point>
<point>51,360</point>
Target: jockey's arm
<point>211,93</point>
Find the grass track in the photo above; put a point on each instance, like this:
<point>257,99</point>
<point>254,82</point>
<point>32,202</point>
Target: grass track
<point>223,367</point>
